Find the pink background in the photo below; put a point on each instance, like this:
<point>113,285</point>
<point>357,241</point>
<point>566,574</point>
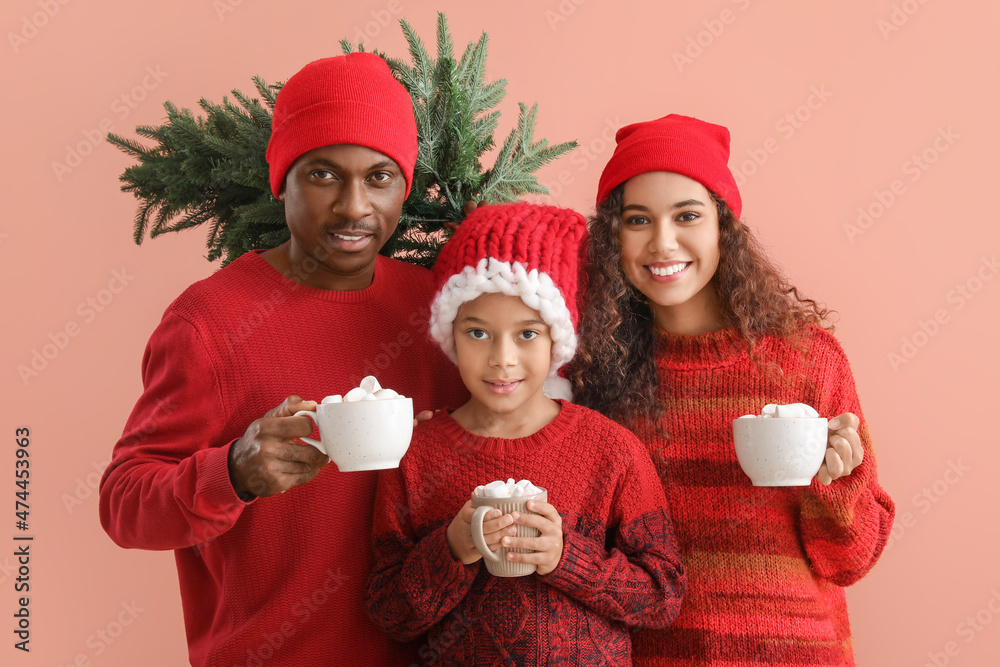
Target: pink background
<point>881,93</point>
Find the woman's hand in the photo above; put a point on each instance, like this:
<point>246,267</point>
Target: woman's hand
<point>844,451</point>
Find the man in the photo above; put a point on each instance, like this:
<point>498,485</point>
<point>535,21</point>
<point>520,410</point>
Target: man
<point>273,545</point>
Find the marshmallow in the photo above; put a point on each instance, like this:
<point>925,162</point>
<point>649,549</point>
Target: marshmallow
<point>791,411</point>
<point>356,394</point>
<point>368,390</point>
<point>795,411</point>
<point>495,489</point>
<point>370,384</point>
<point>519,488</point>
<point>508,489</point>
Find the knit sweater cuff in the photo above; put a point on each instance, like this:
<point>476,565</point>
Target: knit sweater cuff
<point>841,499</point>
<point>214,487</point>
<point>579,566</point>
<point>435,550</point>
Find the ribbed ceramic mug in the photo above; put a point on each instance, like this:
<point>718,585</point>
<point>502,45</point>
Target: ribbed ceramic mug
<point>496,561</point>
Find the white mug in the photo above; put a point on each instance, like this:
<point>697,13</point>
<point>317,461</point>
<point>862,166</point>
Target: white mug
<point>781,451</point>
<point>363,435</point>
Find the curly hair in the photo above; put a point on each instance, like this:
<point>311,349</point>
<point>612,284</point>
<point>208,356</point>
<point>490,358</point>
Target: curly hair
<point>615,370</point>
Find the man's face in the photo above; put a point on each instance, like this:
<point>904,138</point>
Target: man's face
<point>342,203</point>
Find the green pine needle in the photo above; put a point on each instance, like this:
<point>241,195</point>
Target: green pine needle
<point>212,168</point>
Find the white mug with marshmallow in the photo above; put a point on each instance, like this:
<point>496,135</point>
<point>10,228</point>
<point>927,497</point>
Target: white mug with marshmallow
<point>369,428</point>
<point>783,446</point>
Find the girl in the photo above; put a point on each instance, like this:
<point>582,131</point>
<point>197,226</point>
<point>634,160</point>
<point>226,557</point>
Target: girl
<point>606,561</point>
<point>688,325</point>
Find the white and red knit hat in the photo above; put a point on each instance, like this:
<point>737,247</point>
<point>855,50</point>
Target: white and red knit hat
<point>525,250</point>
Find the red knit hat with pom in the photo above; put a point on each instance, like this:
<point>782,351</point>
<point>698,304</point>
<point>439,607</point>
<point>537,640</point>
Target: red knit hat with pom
<point>525,250</point>
<point>352,99</point>
<point>680,144</point>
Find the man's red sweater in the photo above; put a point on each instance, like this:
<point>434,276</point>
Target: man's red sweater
<point>619,568</point>
<point>765,566</point>
<point>280,580</point>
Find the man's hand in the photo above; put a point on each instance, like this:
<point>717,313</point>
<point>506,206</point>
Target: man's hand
<point>844,451</point>
<point>266,460</point>
<point>423,416</point>
<point>547,547</point>
<point>459,535</point>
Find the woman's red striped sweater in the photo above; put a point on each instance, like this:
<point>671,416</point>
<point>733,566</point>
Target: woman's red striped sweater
<point>765,566</point>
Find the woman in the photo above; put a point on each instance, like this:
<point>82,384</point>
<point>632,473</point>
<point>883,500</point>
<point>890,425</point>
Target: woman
<point>688,325</point>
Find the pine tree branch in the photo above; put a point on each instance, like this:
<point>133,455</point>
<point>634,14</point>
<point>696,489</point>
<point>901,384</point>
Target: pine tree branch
<point>212,169</point>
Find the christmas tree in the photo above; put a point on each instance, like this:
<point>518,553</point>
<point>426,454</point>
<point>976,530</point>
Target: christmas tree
<point>213,170</point>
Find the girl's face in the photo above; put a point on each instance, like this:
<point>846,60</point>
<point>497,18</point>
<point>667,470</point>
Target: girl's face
<point>670,249</point>
<point>504,351</point>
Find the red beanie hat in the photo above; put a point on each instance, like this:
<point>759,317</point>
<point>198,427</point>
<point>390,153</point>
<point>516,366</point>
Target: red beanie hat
<point>530,251</point>
<point>352,99</point>
<point>680,144</point>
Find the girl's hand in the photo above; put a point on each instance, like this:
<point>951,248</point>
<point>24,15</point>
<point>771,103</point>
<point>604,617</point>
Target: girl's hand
<point>548,546</point>
<point>844,452</point>
<point>459,533</point>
